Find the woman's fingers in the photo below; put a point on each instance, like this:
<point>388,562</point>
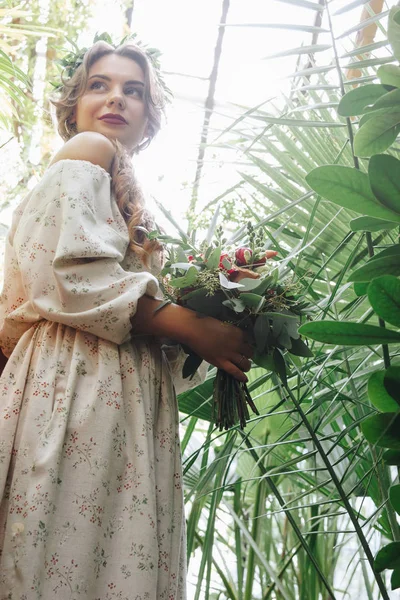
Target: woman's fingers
<point>242,362</point>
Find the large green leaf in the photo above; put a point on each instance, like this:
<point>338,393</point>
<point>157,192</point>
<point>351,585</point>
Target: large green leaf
<point>388,265</point>
<point>384,296</point>
<point>391,457</point>
<point>394,30</point>
<point>352,334</point>
<point>391,382</point>
<point>394,497</point>
<point>377,134</point>
<point>371,224</point>
<point>389,75</point>
<point>395,579</point>
<point>356,101</point>
<point>383,430</point>
<point>349,188</point>
<point>384,177</point>
<point>378,394</point>
<point>388,557</point>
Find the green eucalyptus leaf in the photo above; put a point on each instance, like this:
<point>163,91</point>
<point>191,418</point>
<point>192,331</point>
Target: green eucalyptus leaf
<point>388,265</point>
<point>383,430</point>
<point>284,338</point>
<point>280,365</point>
<point>391,382</point>
<point>261,331</point>
<point>266,361</point>
<point>391,457</point>
<point>389,75</point>
<point>356,101</point>
<point>378,394</point>
<point>299,348</point>
<point>377,134</point>
<point>348,334</point>
<point>213,259</point>
<point>360,289</point>
<point>393,32</point>
<point>384,177</point>
<point>388,557</point>
<point>394,497</point>
<point>192,363</point>
<point>384,297</point>
<point>185,281</point>
<point>371,224</point>
<point>350,188</point>
<point>395,579</point>
<point>251,300</point>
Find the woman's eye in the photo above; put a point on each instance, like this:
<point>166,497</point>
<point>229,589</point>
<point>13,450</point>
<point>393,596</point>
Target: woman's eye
<point>96,85</point>
<point>134,92</point>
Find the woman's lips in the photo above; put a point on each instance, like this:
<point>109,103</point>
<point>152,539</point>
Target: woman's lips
<point>113,119</point>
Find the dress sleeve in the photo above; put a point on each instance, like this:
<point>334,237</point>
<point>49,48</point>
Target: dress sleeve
<point>69,244</point>
<point>176,357</point>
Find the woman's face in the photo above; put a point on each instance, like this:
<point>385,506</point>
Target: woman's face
<point>112,103</point>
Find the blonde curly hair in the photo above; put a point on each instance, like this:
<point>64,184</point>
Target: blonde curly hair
<point>126,188</point>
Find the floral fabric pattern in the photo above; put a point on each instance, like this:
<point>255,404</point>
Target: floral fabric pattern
<point>90,472</point>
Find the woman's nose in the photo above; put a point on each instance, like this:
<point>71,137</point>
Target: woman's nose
<point>117,99</point>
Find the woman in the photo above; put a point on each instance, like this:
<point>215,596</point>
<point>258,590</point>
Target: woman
<point>90,474</point>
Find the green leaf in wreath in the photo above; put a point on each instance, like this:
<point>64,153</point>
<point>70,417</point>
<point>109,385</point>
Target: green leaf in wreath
<point>348,334</point>
<point>284,338</point>
<point>213,259</point>
<point>377,134</point>
<point>371,224</point>
<point>280,365</point>
<point>395,579</point>
<point>384,297</point>
<point>191,365</point>
<point>350,188</point>
<point>299,348</point>
<point>378,394</point>
<point>252,300</point>
<point>356,101</point>
<point>261,331</point>
<point>388,557</point>
<point>391,457</point>
<point>391,381</point>
<point>384,177</point>
<point>389,75</point>
<point>389,265</point>
<point>383,430</point>
<point>264,360</point>
<point>185,281</point>
<point>394,497</point>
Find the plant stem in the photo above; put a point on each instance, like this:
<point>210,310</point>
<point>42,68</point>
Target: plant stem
<point>289,515</point>
<point>341,491</point>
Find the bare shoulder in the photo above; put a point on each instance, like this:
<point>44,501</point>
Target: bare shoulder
<point>90,146</point>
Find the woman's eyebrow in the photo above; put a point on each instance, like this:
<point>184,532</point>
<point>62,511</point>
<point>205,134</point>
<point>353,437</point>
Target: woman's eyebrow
<point>109,79</point>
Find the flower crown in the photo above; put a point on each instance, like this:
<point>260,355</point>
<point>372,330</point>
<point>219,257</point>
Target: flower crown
<point>71,61</point>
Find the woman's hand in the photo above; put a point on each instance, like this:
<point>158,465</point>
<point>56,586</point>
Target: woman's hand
<point>221,344</point>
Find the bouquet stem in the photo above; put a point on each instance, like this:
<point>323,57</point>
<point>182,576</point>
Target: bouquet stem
<point>230,400</point>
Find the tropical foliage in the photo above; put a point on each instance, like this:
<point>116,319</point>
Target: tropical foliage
<point>300,501</point>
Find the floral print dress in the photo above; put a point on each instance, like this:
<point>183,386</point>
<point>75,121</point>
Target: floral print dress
<point>90,473</point>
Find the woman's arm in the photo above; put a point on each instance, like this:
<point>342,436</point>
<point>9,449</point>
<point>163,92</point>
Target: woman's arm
<point>218,343</point>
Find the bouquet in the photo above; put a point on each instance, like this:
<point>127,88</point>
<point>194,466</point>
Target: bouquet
<point>247,287</point>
